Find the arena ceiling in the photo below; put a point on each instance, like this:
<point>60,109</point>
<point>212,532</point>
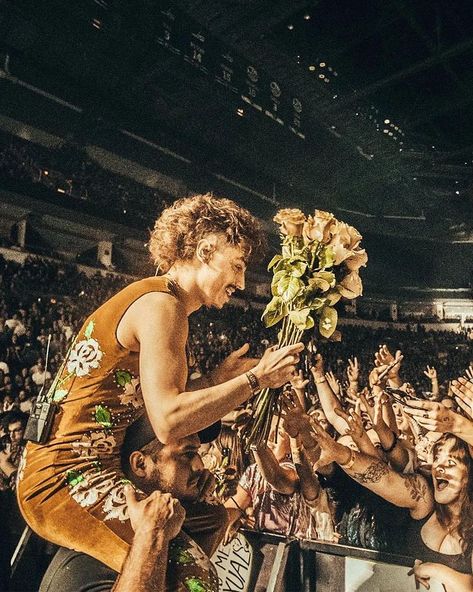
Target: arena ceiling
<point>362,108</point>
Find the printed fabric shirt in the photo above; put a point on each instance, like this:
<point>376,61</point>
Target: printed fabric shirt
<point>276,512</point>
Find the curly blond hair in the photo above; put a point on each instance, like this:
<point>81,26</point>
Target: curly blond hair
<point>183,224</point>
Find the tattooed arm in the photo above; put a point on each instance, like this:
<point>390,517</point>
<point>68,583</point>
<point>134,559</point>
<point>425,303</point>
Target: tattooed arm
<point>407,491</point>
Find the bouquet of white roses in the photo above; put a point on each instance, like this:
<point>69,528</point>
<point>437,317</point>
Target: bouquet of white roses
<point>319,264</point>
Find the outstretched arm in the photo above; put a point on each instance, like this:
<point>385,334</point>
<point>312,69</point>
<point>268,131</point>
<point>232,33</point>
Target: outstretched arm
<point>438,418</point>
<point>328,400</point>
<point>407,491</point>
<point>156,325</point>
<point>282,479</point>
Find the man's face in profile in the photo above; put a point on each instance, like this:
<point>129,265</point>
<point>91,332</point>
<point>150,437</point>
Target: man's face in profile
<point>176,469</point>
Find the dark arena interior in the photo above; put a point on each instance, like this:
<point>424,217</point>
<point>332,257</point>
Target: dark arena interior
<point>342,133</point>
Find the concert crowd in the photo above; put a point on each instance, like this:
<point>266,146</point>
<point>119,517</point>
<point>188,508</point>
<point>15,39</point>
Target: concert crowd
<point>403,400</point>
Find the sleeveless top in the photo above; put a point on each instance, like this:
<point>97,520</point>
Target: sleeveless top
<point>419,550</point>
<point>98,393</point>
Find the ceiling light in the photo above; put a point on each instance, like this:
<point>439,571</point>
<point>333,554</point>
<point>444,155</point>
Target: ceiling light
<point>290,27</point>
<point>307,17</point>
<point>457,192</point>
<point>386,121</point>
<point>323,76</point>
<point>322,64</point>
<point>312,68</point>
<point>385,131</point>
<point>390,134</point>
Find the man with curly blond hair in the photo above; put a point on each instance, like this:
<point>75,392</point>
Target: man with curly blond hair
<point>131,354</point>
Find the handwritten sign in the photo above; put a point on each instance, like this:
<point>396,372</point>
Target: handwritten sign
<point>233,563</point>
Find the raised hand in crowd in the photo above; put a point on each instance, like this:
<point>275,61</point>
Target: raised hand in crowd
<point>469,372</point>
<point>383,357</point>
<point>328,400</point>
<point>463,391</point>
<point>435,417</point>
<point>298,384</point>
<point>334,383</point>
<point>353,375</point>
<point>431,374</point>
<point>356,429</point>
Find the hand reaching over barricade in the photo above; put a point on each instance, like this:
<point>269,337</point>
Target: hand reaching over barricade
<point>327,397</point>
<point>356,429</point>
<point>435,417</point>
<point>463,391</point>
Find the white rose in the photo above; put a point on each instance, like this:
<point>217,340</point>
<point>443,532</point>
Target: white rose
<point>85,356</point>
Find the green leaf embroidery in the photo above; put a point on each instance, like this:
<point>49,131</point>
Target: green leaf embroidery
<point>74,477</point>
<point>89,329</point>
<point>195,585</point>
<point>123,377</point>
<point>103,416</point>
<point>179,554</point>
<point>59,395</point>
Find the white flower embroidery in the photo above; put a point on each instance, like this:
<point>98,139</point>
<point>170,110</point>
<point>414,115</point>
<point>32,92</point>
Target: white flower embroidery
<point>85,356</point>
<point>132,394</point>
<point>92,488</point>
<point>96,445</point>
<point>115,506</point>
<point>21,467</point>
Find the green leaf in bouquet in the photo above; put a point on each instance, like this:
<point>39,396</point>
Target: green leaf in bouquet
<point>274,260</point>
<point>297,267</point>
<point>322,280</point>
<point>333,297</point>
<point>275,281</point>
<point>275,310</point>
<point>316,303</point>
<point>326,257</point>
<point>328,321</point>
<point>289,287</point>
<point>301,319</point>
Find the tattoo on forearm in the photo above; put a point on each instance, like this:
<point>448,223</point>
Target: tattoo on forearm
<point>373,473</point>
<point>415,486</point>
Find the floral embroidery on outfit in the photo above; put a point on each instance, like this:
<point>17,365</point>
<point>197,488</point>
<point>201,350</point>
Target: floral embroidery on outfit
<point>115,505</point>
<point>95,445</point>
<point>85,355</point>
<point>89,487</point>
<point>21,466</point>
<point>131,388</point>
